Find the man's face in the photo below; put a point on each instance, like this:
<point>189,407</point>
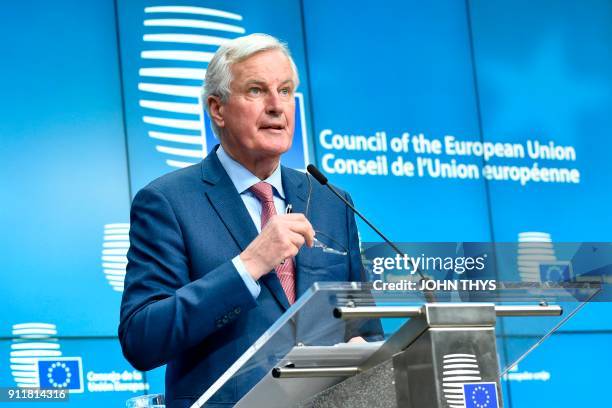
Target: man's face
<point>258,119</point>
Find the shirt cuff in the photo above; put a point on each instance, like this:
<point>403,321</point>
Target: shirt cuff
<point>251,284</point>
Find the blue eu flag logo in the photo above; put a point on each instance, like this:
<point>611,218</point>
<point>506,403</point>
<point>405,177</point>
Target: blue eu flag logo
<point>61,373</point>
<point>556,272</point>
<point>480,395</point>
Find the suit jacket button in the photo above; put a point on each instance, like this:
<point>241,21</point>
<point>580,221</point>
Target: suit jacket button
<point>237,310</point>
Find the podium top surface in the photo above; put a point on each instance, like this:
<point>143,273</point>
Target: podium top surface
<point>331,313</point>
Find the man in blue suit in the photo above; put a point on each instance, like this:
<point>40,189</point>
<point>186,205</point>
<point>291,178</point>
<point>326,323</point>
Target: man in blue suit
<point>214,259</point>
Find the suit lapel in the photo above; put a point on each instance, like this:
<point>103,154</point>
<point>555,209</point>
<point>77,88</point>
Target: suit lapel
<point>295,189</point>
<point>227,202</point>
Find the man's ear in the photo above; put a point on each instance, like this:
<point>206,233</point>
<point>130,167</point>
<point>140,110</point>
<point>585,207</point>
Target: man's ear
<point>215,107</point>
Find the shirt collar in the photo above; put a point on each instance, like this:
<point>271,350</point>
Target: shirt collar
<point>243,179</point>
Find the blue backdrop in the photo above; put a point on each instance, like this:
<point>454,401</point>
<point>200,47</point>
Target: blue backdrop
<point>101,98</point>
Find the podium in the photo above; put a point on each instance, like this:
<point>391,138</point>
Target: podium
<point>453,351</point>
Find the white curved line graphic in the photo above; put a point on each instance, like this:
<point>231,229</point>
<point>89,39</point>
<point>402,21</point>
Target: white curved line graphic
<point>447,356</point>
<point>193,10</point>
<point>116,282</point>
<point>47,332</point>
<point>171,137</point>
<point>461,360</point>
<point>180,152</point>
<point>173,123</point>
<point>540,257</point>
<point>451,366</point>
<point>533,239</point>
<point>178,164</point>
<point>23,360</point>
<point>34,325</point>
<point>115,265</point>
<point>460,378</point>
<point>121,251</point>
<point>539,245</point>
<point>175,90</point>
<point>116,245</point>
<point>534,234</point>
<point>22,367</point>
<point>113,258</point>
<point>34,346</point>
<point>530,250</point>
<point>178,55</point>
<point>181,73</point>
<point>176,107</point>
<point>188,23</point>
<point>117,230</point>
<point>36,353</point>
<point>186,39</point>
<point>114,272</point>
<point>22,375</point>
<point>121,237</point>
<point>460,372</point>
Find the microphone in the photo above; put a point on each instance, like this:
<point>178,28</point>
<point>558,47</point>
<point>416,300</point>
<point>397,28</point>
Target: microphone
<point>320,177</point>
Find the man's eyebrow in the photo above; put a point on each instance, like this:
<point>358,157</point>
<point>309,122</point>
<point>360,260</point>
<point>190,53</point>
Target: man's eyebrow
<point>288,81</point>
<point>255,82</point>
<point>263,83</point>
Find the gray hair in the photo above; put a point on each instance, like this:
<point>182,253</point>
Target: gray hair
<point>219,72</point>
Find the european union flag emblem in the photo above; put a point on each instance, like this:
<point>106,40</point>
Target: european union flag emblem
<point>61,373</point>
<point>480,395</point>
<point>556,272</point>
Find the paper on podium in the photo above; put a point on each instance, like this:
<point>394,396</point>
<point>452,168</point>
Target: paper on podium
<point>273,392</point>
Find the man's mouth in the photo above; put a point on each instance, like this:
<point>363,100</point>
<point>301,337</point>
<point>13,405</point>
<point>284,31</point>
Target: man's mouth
<point>273,126</point>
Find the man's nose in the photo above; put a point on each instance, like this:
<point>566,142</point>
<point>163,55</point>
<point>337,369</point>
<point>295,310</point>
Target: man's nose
<point>273,104</point>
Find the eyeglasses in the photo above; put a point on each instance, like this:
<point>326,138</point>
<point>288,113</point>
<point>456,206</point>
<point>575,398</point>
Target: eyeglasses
<point>317,243</point>
<point>325,248</point>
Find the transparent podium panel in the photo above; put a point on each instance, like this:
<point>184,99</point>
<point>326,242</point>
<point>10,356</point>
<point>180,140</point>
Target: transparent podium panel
<point>342,328</point>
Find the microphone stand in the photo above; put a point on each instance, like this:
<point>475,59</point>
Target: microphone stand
<point>429,295</point>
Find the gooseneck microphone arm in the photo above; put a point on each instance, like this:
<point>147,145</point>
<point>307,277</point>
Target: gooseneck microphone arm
<point>320,177</point>
<point>323,181</point>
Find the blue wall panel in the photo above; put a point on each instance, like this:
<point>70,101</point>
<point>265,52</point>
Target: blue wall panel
<point>566,371</point>
<point>64,166</point>
<point>543,72</point>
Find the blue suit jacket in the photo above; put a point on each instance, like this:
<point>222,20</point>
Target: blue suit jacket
<point>184,303</point>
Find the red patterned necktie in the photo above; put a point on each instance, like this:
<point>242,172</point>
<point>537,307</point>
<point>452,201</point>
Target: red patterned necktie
<point>285,271</point>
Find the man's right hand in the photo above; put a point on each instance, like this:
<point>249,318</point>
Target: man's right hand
<point>280,239</point>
